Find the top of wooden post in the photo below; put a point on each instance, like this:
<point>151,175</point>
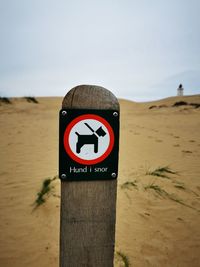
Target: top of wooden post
<point>90,97</point>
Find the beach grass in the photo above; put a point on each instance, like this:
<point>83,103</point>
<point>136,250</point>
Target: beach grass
<point>163,193</point>
<point>162,172</point>
<point>45,191</point>
<point>129,185</point>
<point>122,258</point>
<point>31,99</point>
<point>5,100</point>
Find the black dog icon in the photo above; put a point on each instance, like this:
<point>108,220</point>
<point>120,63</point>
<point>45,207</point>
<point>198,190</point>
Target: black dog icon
<point>89,139</point>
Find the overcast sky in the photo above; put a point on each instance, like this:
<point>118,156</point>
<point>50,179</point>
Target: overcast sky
<point>139,50</point>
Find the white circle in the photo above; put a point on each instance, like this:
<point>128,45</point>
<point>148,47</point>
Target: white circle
<point>83,141</point>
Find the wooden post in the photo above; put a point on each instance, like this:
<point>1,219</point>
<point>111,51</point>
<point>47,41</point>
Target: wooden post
<point>88,208</point>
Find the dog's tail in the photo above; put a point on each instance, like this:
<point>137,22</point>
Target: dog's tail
<point>77,133</point>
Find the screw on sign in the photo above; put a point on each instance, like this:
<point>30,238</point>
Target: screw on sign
<point>89,144</point>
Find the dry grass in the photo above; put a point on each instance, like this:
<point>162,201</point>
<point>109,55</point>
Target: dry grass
<point>161,192</point>
<point>129,185</point>
<point>161,172</point>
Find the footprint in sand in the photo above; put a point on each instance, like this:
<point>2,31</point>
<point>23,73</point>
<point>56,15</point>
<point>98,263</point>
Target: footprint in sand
<point>176,145</point>
<point>159,141</point>
<point>187,151</point>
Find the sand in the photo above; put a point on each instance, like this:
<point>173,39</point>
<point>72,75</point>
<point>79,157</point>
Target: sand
<point>158,218</point>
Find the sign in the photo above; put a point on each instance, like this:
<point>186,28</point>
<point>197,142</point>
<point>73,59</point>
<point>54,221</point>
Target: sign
<point>88,144</point>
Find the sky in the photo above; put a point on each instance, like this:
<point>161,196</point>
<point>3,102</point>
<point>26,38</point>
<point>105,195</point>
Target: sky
<point>138,49</point>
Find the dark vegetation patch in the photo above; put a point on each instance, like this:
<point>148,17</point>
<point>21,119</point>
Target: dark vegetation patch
<point>31,99</point>
<point>151,107</point>
<point>183,103</point>
<point>162,106</point>
<point>195,105</point>
<point>179,103</point>
<point>5,100</point>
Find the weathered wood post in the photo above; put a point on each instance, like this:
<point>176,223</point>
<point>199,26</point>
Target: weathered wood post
<point>88,171</point>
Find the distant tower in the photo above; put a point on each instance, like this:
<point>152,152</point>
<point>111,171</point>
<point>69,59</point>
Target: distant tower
<point>180,90</point>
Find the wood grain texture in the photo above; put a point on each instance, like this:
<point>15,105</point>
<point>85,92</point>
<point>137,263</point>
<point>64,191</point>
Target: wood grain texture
<point>88,208</point>
<point>90,96</point>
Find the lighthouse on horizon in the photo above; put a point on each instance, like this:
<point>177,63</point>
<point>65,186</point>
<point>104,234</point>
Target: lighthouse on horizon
<point>180,90</point>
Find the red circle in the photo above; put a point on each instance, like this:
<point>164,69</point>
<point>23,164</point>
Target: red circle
<point>71,153</point>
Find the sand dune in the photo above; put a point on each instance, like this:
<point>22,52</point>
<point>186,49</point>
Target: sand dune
<point>158,217</point>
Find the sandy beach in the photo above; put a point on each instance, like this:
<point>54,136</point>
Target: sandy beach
<point>158,201</point>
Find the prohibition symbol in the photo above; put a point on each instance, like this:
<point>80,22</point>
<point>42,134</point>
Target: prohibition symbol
<point>88,139</point>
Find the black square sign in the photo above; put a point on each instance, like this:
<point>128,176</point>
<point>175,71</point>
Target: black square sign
<point>88,144</point>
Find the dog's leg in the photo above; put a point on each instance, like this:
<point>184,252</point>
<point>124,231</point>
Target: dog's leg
<point>96,146</point>
<point>78,148</point>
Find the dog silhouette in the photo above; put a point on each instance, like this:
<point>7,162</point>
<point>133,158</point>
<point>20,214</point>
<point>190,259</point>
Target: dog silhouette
<point>89,139</point>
